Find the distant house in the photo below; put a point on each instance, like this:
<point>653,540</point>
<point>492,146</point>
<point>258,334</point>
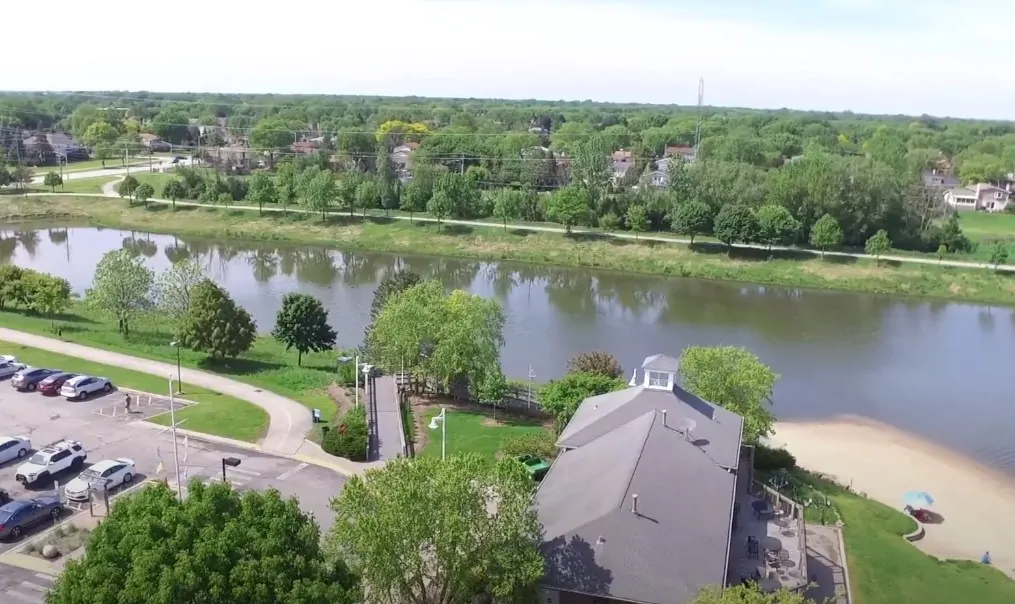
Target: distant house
<point>623,160</point>
<point>652,498</point>
<point>401,160</point>
<point>46,148</point>
<point>305,147</point>
<point>939,178</point>
<point>155,144</point>
<point>688,154</point>
<point>981,196</point>
<point>660,176</point>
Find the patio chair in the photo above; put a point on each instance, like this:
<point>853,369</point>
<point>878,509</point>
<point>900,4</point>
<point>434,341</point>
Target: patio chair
<point>783,557</point>
<point>753,548</point>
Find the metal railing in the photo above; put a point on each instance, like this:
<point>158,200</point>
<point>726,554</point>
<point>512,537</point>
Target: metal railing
<point>785,507</point>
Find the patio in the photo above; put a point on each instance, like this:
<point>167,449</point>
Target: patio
<point>768,543</point>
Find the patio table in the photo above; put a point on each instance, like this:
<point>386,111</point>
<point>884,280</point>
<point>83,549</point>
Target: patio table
<point>760,507</point>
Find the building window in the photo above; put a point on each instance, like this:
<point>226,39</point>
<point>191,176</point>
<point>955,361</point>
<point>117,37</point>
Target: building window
<point>659,379</point>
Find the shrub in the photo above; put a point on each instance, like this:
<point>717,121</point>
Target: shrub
<point>596,362</point>
<point>347,374</point>
<point>541,444</point>
<point>348,438</point>
<point>767,459</point>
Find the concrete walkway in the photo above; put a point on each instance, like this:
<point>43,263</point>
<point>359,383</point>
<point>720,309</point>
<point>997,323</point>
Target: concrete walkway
<point>289,421</point>
<point>389,438</point>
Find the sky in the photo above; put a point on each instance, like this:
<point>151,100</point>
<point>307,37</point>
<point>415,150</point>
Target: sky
<point>914,57</point>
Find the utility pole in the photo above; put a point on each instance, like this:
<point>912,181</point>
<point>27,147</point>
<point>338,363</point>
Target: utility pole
<point>697,129</point>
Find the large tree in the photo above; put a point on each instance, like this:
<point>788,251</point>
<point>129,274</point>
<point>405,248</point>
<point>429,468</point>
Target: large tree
<point>569,207</point>
<point>595,361</point>
<point>430,531</point>
<point>215,546</point>
<point>121,287</point>
<point>691,218</point>
<point>215,324</point>
<point>736,224</point>
<point>261,190</point>
<point>173,288</point>
<point>826,233</point>
<point>776,226</point>
<point>735,379</point>
<point>560,398</point>
<point>747,594</point>
<point>302,323</point>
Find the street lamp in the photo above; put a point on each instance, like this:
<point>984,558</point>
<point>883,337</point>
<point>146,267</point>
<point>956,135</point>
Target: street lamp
<point>442,417</point>
<point>179,380</point>
<point>232,462</point>
<point>355,373</point>
<point>532,376</point>
<point>176,446</point>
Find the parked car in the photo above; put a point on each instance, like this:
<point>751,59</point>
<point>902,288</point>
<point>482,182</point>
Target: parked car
<point>29,377</point>
<point>8,358</point>
<point>14,447</point>
<point>9,368</point>
<point>83,386</point>
<point>18,515</point>
<point>51,384</point>
<point>51,460</point>
<point>108,473</point>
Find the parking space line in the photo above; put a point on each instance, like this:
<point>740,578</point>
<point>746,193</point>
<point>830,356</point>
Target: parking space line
<point>289,473</point>
<point>17,595</point>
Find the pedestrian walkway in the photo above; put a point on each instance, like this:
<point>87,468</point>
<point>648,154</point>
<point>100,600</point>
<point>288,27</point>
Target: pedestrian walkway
<point>389,438</point>
<point>290,421</point>
<point>32,591</point>
<point>239,478</point>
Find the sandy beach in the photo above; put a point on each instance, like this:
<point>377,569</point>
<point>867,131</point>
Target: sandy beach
<point>978,504</point>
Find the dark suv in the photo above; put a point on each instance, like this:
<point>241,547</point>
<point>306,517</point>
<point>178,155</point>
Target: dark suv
<point>29,378</point>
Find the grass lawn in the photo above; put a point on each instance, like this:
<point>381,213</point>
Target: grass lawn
<point>377,233</point>
<point>83,185</point>
<point>884,568</point>
<point>217,414</point>
<point>266,365</point>
<point>981,226</point>
<point>471,432</point>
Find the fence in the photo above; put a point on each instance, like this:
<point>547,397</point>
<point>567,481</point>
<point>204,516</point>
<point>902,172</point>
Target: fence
<point>516,398</point>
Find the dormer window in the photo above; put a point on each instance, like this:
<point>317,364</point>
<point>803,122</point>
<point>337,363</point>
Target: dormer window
<point>659,380</point>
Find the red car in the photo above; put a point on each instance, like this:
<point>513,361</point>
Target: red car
<point>51,385</point>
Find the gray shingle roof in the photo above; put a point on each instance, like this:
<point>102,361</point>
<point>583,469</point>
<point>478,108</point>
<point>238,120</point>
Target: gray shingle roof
<point>678,541</point>
<point>661,362</point>
<point>716,430</point>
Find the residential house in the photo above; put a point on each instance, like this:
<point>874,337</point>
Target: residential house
<point>46,148</point>
<point>305,147</point>
<point>652,498</point>
<point>660,176</point>
<point>688,154</point>
<point>623,161</point>
<point>939,178</point>
<point>981,196</point>
<point>401,160</point>
<point>154,143</point>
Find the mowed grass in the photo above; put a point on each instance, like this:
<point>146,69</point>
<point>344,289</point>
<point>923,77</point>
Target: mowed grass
<point>884,568</point>
<point>471,432</point>
<point>216,414</point>
<point>265,366</point>
<point>378,233</point>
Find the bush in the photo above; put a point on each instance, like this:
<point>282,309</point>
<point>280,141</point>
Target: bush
<point>349,437</point>
<point>541,444</point>
<point>767,459</point>
<point>347,374</point>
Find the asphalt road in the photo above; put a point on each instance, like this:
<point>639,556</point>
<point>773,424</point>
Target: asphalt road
<point>21,586</point>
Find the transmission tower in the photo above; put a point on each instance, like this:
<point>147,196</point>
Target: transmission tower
<point>697,129</point>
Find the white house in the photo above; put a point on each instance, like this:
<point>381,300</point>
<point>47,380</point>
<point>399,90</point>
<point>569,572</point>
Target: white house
<point>982,196</point>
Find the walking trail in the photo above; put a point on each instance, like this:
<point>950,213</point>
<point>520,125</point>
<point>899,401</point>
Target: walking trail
<point>388,433</point>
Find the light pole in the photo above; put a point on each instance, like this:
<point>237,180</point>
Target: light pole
<point>179,380</point>
<point>528,398</point>
<point>442,417</point>
<point>355,373</point>
<point>232,462</point>
<point>176,446</point>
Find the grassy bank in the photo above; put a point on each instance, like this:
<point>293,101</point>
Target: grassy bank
<point>473,432</point>
<point>376,233</point>
<point>265,366</point>
<point>216,414</point>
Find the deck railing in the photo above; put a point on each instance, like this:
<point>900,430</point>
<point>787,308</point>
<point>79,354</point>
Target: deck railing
<point>787,508</point>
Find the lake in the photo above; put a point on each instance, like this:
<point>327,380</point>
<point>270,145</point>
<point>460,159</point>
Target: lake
<point>938,369</point>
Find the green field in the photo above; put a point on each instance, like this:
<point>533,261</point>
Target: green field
<point>216,414</point>
<point>472,432</point>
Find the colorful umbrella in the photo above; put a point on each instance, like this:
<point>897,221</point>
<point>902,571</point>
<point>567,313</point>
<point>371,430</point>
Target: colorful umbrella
<point>918,499</point>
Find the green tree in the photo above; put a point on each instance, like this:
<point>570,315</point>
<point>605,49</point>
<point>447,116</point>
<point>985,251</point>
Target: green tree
<point>122,287</point>
<point>390,285</point>
<point>692,218</point>
<point>507,205</point>
<point>735,379</point>
<point>595,362</point>
<point>46,294</point>
<point>271,135</point>
<point>226,547</point>
<point>735,224</point>
<point>126,188</point>
<point>591,168</point>
<point>287,184</point>
<point>261,190</point>
<point>439,207</point>
<point>878,244</point>
<point>5,176</point>
<point>103,152</point>
<point>421,530</point>
<point>999,255</point>
<point>174,190</point>
<point>414,197</point>
<point>636,219</point>
<point>345,192</point>
<point>100,136</point>
<point>368,196</point>
<point>569,207</point>
<point>173,288</point>
<point>144,192</point>
<point>609,222</point>
<point>747,594</point>
<point>826,233</point>
<point>215,324</point>
<point>561,398</point>
<point>942,251</point>
<point>318,190</point>
<point>302,323</point>
<point>23,175</point>
<point>776,226</point>
<point>953,237</point>
<point>52,180</point>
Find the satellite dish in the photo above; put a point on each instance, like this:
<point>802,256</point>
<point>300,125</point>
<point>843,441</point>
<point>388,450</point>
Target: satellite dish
<point>687,424</point>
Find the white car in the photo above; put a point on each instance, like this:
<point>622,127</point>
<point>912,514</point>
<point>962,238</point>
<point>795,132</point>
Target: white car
<point>82,386</point>
<point>9,368</point>
<point>8,358</point>
<point>51,460</point>
<point>14,447</point>
<point>106,474</point>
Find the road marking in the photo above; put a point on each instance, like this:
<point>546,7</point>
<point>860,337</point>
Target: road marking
<point>289,473</point>
<point>242,471</point>
<point>45,577</point>
<point>35,587</point>
<point>17,595</point>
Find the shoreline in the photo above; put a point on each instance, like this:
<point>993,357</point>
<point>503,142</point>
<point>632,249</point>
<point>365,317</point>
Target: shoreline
<point>378,234</point>
<point>976,501</point>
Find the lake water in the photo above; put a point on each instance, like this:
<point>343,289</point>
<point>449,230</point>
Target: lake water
<point>938,369</point>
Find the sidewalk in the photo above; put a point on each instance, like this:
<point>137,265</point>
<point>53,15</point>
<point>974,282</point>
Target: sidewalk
<point>390,439</point>
<point>289,421</point>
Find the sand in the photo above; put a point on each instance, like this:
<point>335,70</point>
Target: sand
<point>977,503</point>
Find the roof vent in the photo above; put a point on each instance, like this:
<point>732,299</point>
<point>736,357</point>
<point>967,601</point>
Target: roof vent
<point>601,540</point>
<point>634,503</point>
<point>686,425</point>
<point>664,418</point>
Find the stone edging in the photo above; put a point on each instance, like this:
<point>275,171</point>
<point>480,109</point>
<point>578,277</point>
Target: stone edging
<point>917,534</point>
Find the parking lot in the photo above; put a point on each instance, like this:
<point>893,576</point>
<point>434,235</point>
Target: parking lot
<point>106,430</point>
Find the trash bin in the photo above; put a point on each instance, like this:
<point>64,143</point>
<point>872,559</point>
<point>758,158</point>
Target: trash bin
<point>317,416</point>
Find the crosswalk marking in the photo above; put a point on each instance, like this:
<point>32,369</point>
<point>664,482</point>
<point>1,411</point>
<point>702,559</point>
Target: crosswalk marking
<point>242,471</point>
<point>17,595</point>
<point>45,577</point>
<point>289,473</point>
<point>35,587</point>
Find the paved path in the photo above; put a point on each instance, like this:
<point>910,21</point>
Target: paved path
<point>289,421</point>
<point>388,435</point>
<point>109,191</point>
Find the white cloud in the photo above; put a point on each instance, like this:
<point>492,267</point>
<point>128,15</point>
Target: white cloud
<point>521,49</point>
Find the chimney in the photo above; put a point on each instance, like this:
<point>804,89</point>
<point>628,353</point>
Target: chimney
<point>634,503</point>
<point>664,418</point>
